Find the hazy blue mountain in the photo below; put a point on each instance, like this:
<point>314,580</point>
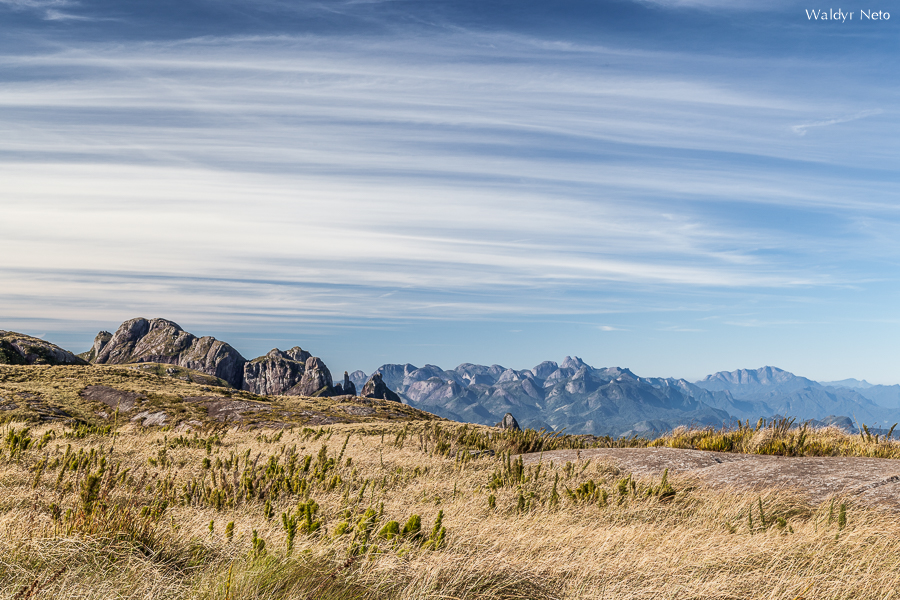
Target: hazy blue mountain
<point>769,391</point>
<point>745,383</point>
<point>853,384</point>
<point>887,396</point>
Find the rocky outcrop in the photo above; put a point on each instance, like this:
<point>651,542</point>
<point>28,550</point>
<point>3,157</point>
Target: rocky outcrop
<point>509,422</point>
<point>100,341</point>
<point>291,372</point>
<point>161,341</point>
<point>376,388</point>
<point>19,349</point>
<point>276,372</point>
<point>347,388</point>
<point>316,380</point>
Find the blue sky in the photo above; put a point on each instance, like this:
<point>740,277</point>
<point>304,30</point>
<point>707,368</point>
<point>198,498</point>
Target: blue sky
<point>678,187</point>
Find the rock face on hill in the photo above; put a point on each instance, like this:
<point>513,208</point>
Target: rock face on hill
<point>276,372</point>
<point>346,388</point>
<point>293,372</point>
<point>100,341</point>
<point>376,388</point>
<point>20,349</point>
<point>161,341</point>
<point>316,380</point>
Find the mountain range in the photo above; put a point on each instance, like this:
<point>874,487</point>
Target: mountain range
<point>579,398</point>
<point>570,395</point>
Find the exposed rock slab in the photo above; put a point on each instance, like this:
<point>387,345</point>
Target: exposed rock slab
<point>874,481</point>
<point>356,409</point>
<point>113,398</point>
<point>227,410</point>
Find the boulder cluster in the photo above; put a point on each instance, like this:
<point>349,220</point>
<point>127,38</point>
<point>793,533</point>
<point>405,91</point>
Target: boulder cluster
<point>293,372</point>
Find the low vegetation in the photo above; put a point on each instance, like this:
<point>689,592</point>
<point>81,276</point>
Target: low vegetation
<point>783,438</point>
<point>416,509</point>
<point>387,502</point>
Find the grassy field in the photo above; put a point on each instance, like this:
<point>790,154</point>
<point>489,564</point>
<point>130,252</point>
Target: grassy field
<point>414,510</point>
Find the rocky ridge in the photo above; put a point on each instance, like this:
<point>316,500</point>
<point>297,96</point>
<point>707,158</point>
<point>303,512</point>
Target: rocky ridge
<point>294,372</point>
<point>582,399</point>
<point>571,395</point>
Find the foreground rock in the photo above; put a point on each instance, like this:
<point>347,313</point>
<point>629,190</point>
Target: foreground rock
<point>873,481</point>
<point>509,422</point>
<point>20,349</point>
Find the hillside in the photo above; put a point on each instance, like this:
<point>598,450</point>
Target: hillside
<point>161,395</point>
<point>21,349</point>
<point>571,395</point>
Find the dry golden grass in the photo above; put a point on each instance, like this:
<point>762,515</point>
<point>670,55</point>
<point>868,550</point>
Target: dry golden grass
<point>613,538</point>
<point>783,438</point>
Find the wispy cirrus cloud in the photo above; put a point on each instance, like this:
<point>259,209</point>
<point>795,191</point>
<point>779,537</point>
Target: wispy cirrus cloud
<point>49,9</point>
<point>335,180</point>
<point>802,129</point>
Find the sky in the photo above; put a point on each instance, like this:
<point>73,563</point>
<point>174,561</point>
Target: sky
<point>674,186</point>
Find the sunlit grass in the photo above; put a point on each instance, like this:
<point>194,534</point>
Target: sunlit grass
<point>415,510</point>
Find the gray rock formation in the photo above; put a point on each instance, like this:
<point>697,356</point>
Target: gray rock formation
<point>509,422</point>
<point>100,341</point>
<point>158,340</point>
<point>276,372</point>
<point>19,349</point>
<point>316,380</point>
<point>376,388</point>
<point>347,388</point>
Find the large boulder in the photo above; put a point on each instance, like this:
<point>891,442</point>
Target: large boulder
<point>509,422</point>
<point>20,349</point>
<point>316,380</point>
<point>161,341</point>
<point>376,388</point>
<point>276,372</point>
